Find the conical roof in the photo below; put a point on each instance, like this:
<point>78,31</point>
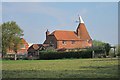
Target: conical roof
<point>82,31</point>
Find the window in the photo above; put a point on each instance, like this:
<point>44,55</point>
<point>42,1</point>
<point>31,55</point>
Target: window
<point>87,40</point>
<point>90,41</point>
<point>22,46</point>
<point>51,41</point>
<point>63,42</point>
<point>73,42</point>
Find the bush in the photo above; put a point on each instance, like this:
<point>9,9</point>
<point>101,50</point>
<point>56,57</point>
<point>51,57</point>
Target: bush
<point>99,50</point>
<point>50,49</point>
<point>9,56</point>
<point>12,56</point>
<point>86,53</point>
<point>61,55</point>
<point>111,54</point>
<point>22,56</point>
<point>104,56</point>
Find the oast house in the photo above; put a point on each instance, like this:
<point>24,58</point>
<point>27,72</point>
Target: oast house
<point>69,39</point>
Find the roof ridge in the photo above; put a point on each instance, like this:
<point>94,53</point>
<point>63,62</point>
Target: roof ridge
<point>63,30</point>
<point>65,35</point>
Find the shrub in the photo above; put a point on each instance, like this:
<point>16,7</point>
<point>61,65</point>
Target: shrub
<point>9,56</point>
<point>98,50</point>
<point>50,49</point>
<point>19,56</point>
<point>61,55</point>
<point>104,56</point>
<point>111,54</point>
<point>22,56</point>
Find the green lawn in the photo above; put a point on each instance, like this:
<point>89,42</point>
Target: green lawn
<point>64,68</point>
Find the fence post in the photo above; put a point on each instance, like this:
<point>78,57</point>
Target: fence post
<point>93,54</point>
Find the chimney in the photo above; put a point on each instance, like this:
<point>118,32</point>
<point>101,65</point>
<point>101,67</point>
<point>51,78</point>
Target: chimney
<point>47,33</point>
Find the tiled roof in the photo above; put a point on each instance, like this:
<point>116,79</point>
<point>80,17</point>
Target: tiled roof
<point>84,35</point>
<point>65,35</point>
<point>23,41</point>
<point>35,47</point>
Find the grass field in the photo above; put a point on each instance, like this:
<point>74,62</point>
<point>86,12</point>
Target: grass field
<point>64,68</point>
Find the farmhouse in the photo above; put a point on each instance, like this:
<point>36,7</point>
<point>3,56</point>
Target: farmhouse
<point>62,39</point>
<point>23,46</point>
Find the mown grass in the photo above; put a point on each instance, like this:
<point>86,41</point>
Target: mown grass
<point>63,68</point>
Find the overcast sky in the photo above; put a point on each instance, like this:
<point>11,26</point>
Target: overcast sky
<point>101,19</point>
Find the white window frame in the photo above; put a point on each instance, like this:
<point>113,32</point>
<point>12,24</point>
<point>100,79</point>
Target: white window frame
<point>64,42</point>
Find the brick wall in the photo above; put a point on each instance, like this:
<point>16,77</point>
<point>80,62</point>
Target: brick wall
<point>51,40</point>
<point>70,45</point>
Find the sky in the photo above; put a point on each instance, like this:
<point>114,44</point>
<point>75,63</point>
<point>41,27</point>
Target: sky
<point>34,18</point>
<point>59,0</point>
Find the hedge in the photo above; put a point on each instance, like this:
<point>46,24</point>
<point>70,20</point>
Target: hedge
<point>12,56</point>
<point>97,50</point>
<point>60,55</point>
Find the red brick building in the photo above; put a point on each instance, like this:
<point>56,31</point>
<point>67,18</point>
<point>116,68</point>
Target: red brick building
<point>23,46</point>
<point>33,50</point>
<point>69,39</point>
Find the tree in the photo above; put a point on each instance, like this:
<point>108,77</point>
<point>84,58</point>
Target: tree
<point>16,45</point>
<point>50,49</point>
<point>102,45</point>
<point>97,43</point>
<point>11,34</point>
<point>0,40</point>
<point>107,48</point>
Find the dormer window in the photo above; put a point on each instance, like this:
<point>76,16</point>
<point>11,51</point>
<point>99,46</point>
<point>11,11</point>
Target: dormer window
<point>50,42</point>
